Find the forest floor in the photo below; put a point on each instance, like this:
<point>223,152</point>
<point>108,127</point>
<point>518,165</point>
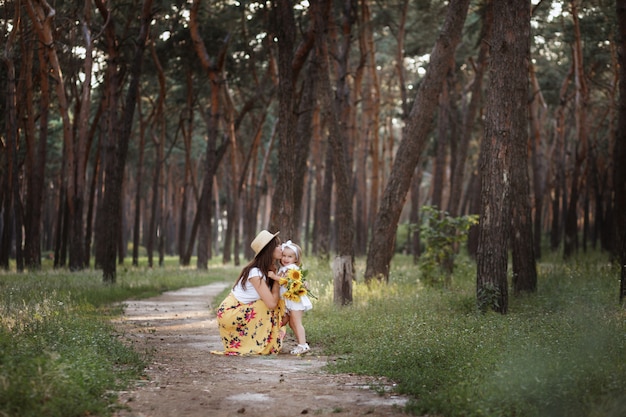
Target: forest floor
<point>183,379</point>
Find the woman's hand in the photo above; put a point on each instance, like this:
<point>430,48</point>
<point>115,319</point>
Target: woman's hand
<point>273,276</point>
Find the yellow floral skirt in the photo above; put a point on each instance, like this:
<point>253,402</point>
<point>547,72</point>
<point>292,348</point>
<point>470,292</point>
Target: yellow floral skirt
<point>249,328</point>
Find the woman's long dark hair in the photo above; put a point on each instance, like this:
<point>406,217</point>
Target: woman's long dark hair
<point>264,260</point>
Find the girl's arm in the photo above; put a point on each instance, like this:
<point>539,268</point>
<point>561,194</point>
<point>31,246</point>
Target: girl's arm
<point>273,276</point>
<point>269,297</point>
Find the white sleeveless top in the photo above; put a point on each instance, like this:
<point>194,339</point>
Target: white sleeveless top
<point>250,294</point>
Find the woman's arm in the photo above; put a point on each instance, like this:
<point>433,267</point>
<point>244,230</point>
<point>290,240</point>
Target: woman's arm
<point>269,297</point>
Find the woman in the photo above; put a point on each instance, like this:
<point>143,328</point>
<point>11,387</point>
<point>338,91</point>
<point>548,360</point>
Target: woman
<point>249,319</point>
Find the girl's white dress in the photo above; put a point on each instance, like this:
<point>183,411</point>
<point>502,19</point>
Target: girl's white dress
<point>305,302</point>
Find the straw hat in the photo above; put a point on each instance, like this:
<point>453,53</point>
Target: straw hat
<point>261,240</point>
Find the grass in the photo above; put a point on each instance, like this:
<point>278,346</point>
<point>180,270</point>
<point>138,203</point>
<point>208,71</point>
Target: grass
<point>559,352</point>
<point>59,353</point>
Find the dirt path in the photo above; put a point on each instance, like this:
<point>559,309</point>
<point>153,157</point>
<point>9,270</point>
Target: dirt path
<point>184,379</point>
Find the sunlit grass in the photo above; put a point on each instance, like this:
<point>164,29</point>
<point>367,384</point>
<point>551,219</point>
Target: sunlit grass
<point>59,353</point>
<point>560,352</point>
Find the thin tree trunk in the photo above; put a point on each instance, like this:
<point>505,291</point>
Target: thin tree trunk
<point>538,112</point>
<point>189,176</point>
<point>35,158</point>
<point>110,213</point>
<point>559,200</point>
<point>283,200</point>
<point>41,15</point>
<point>469,118</point>
<point>522,242</point>
<point>343,264</point>
<point>581,99</point>
<point>324,189</point>
<point>213,154</point>
<point>10,185</point>
<point>414,215</point>
<point>158,139</point>
<point>303,143</point>
<point>442,142</point>
<point>410,149</point>
<point>138,185</point>
<point>619,173</point>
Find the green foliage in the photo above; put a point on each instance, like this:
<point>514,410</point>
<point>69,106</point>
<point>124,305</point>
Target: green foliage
<point>441,235</point>
<point>59,354</point>
<point>560,352</point>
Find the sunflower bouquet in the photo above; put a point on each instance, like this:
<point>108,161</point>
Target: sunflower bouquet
<point>295,283</point>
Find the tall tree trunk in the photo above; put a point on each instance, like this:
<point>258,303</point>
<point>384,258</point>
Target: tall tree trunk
<point>283,199</point>
<point>289,63</point>
<point>41,15</point>
<point>581,101</point>
<point>414,215</point>
<point>303,142</point>
<point>368,145</point>
<point>35,156</point>
<point>213,154</point>
<point>559,200</point>
<point>410,149</point>
<point>343,264</point>
<point>443,140</point>
<point>138,185</point>
<point>110,212</point>
<point>537,113</point>
<point>158,138</point>
<point>189,181</point>
<point>522,243</point>
<point>469,117</point>
<point>323,192</point>
<point>108,142</point>
<point>619,174</point>
<point>505,123</point>
<point>10,185</point>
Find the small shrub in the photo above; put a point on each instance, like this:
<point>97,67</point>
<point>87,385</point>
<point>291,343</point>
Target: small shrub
<point>441,235</point>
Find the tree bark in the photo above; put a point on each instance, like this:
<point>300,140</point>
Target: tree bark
<point>111,213</point>
<point>442,142</point>
<point>284,214</point>
<point>522,243</point>
<point>35,152</point>
<point>505,123</point>
<point>10,196</point>
<point>343,264</point>
<point>619,174</point>
<point>139,185</point>
<point>41,15</point>
<point>537,113</point>
<point>559,198</point>
<point>580,154</point>
<point>410,149</point>
<point>213,154</point>
<point>470,115</point>
<point>158,131</point>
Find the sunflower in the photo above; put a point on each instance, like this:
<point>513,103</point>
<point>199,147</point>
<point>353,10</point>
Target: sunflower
<point>295,282</point>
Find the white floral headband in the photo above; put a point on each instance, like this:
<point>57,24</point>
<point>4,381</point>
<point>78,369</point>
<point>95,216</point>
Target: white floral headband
<point>289,244</point>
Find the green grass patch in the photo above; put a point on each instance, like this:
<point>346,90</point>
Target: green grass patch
<point>559,352</point>
<point>59,353</point>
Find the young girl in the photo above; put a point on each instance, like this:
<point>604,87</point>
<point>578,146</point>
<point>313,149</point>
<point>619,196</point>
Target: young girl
<point>292,259</point>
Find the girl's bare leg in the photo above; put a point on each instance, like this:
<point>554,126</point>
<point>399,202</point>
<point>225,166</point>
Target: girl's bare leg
<point>295,322</point>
